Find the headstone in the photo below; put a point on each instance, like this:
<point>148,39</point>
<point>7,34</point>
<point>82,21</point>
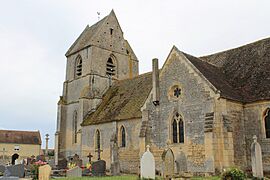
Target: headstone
<point>99,168</point>
<point>147,164</point>
<point>44,172</point>
<point>115,165</point>
<point>16,170</point>
<point>62,163</point>
<point>256,159</point>
<point>2,169</point>
<point>181,163</point>
<point>76,160</point>
<point>168,163</point>
<point>86,172</point>
<point>74,172</point>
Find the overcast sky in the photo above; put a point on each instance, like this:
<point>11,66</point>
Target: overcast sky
<point>34,36</point>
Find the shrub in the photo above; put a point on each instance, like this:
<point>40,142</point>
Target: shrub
<point>233,174</point>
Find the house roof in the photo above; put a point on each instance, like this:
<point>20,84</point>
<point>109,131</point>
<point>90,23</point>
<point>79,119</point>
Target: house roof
<point>122,101</point>
<point>20,137</point>
<point>246,69</point>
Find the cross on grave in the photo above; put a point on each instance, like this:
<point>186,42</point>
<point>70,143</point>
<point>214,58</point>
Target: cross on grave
<point>89,157</point>
<point>98,151</point>
<point>177,92</point>
<point>4,151</point>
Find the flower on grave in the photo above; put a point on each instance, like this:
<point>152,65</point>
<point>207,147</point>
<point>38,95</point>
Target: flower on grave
<point>71,165</point>
<point>35,168</point>
<point>89,166</point>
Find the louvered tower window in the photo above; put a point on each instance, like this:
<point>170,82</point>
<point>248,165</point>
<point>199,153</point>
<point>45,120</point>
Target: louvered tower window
<point>78,66</point>
<point>110,67</point>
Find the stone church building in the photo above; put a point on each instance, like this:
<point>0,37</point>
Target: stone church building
<point>205,109</point>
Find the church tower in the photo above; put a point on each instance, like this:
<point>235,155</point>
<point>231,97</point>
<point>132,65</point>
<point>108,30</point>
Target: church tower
<point>98,57</point>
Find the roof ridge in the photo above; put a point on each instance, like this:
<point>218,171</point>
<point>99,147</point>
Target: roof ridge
<point>238,47</point>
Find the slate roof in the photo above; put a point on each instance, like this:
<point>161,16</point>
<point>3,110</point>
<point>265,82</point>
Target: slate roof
<point>122,101</point>
<point>246,69</point>
<point>20,137</point>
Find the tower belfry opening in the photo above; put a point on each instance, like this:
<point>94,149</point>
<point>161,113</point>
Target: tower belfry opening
<point>110,67</point>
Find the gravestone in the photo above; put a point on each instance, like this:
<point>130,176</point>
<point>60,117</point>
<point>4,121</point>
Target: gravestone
<point>115,165</point>
<point>16,170</point>
<point>44,172</point>
<point>74,172</point>
<point>168,163</point>
<point>9,178</point>
<point>76,160</point>
<point>147,164</point>
<point>2,169</point>
<point>99,168</point>
<point>256,159</point>
<point>62,163</point>
<point>181,163</point>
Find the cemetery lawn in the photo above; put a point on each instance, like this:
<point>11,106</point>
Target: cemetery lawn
<point>127,177</point>
<point>130,177</point>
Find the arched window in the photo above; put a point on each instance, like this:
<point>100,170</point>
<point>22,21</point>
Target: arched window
<point>97,139</point>
<point>75,127</point>
<point>178,132</point>
<point>174,128</point>
<point>267,123</point>
<point>110,67</point>
<point>123,137</point>
<point>181,131</point>
<point>78,66</point>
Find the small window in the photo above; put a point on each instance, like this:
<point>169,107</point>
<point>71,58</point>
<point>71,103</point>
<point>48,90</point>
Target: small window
<point>111,31</point>
<point>78,68</point>
<point>97,139</point>
<point>267,123</point>
<point>75,126</point>
<point>110,67</point>
<point>123,137</point>
<point>175,92</point>
<point>16,148</point>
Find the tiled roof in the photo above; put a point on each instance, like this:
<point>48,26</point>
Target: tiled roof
<point>20,137</point>
<point>216,77</point>
<point>246,69</point>
<point>122,101</point>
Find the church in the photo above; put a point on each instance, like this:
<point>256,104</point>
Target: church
<point>204,109</point>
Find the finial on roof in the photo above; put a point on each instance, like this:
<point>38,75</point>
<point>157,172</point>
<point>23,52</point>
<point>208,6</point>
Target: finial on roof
<point>98,13</point>
<point>147,148</point>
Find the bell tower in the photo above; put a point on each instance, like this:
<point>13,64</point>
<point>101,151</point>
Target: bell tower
<point>98,57</point>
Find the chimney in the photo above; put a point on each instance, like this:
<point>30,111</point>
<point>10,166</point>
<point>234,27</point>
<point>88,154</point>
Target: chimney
<point>155,79</point>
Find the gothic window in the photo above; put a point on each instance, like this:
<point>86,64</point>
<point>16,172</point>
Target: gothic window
<point>123,137</point>
<point>97,139</point>
<point>110,67</point>
<point>267,123</point>
<point>178,129</point>
<point>174,128</point>
<point>78,68</point>
<point>181,131</point>
<point>75,127</point>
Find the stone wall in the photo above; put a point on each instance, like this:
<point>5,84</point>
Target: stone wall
<point>254,125</point>
<point>195,101</point>
<point>128,156</point>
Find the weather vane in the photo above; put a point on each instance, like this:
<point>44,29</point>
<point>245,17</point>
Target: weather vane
<point>98,15</point>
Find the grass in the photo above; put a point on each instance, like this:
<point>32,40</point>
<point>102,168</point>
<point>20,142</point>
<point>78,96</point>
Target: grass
<point>127,177</point>
<point>206,178</point>
<point>130,177</point>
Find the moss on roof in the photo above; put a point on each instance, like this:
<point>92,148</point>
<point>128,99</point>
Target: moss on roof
<point>122,101</point>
